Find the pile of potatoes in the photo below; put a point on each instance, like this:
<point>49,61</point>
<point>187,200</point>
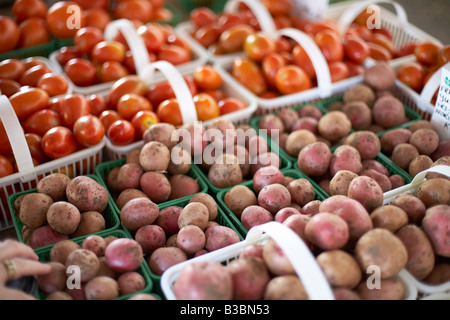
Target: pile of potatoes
<point>61,209</point>
<point>109,269</point>
<point>176,233</point>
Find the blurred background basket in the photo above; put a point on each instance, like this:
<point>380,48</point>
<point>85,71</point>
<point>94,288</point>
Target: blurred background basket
<point>214,5</point>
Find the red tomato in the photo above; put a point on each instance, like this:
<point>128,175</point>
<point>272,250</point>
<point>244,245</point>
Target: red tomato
<point>31,76</point>
<point>89,4</point>
<point>207,78</point>
<point>96,17</point>
<point>130,104</point>
<point>292,79</point>
<point>229,105</point>
<point>9,87</point>
<point>59,142</point>
<point>9,37</point>
<point>406,50</point>
<point>169,111</point>
<point>31,62</point>
<point>378,52</point>
<point>354,69</point>
<point>41,121</point>
<point>175,40</point>
<point>82,72</point>
<point>153,37</point>
<point>339,71</point>
<point>97,104</point>
<point>176,55</point>
<point>413,75</point>
<point>25,9</point>
<point>34,142</point>
<point>206,107</point>
<point>108,117</point>
<point>142,121</point>
<point>128,84</point>
<point>106,50</point>
<point>283,45</point>
<point>249,75</point>
<point>356,49</point>
<point>58,16</point>
<point>33,32</point>
<point>54,84</point>
<point>6,168</point>
<point>5,146</point>
<point>316,27</point>
<point>384,41</point>
<point>330,44</point>
<point>282,22</point>
<point>54,104</point>
<point>207,35</point>
<point>202,16</point>
<point>121,133</point>
<point>86,38</point>
<point>270,65</point>
<point>72,107</point>
<point>384,32</point>
<point>258,45</point>
<point>134,10</point>
<point>89,131</point>
<point>112,71</point>
<point>427,52</point>
<point>361,31</point>
<point>11,69</point>
<point>444,56</point>
<point>227,20</point>
<point>278,7</point>
<point>65,54</point>
<point>28,101</point>
<point>216,94</point>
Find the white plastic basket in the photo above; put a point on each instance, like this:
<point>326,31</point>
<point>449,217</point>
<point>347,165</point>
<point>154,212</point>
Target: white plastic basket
<point>187,107</point>
<point>78,163</point>
<point>140,56</point>
<point>301,258</point>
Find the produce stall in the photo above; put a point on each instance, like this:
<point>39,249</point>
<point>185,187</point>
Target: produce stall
<point>223,150</point>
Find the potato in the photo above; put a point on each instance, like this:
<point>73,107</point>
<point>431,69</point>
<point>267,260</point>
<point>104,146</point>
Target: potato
<point>156,186</point>
<point>340,182</point>
<point>143,296</point>
<point>129,176</point>
<point>87,194</point>
<point>367,144</point>
<point>225,172</point>
<point>441,161</point>
<point>345,294</point>
<point>90,222</point>
<point>266,176</point>
<point>421,124</point>
<point>183,186</point>
<point>443,150</point>
<point>345,157</point>
<point>161,132</point>
<point>87,261</point>
<point>297,223</point>
<point>375,165</point>
<point>439,275</point>
<point>289,117</point>
<point>180,161</point>
<point>77,294</point>
<point>133,156</point>
<point>276,261</point>
<point>310,111</point>
<point>375,128</point>
<point>96,244</point>
<point>191,239</point>
<point>102,288</point>
<point>306,123</point>
<point>18,202</point>
<point>54,185</point>
<point>390,289</point>
<point>334,125</point>
<point>254,216</point>
<point>381,248</point>
<point>106,271</point>
<point>44,236</point>
<point>195,213</point>
<point>413,206</point>
<point>53,281</point>
<point>168,219</point>
<point>63,217</point>
<point>191,137</point>
<point>392,138</point>
<point>380,76</point>
<point>366,191</point>
<point>154,156</point>
<point>425,140</point>
<point>419,164</point>
<point>274,197</point>
<point>110,239</point>
<point>33,209</point>
<point>420,252</point>
<point>337,233</point>
<point>252,251</point>
<point>335,106</point>
<point>285,213</point>
<point>207,280</point>
<point>297,140</point>
<point>111,180</point>
<point>388,112</point>
<point>360,92</point>
<point>62,249</point>
<point>130,282</point>
<point>434,192</point>
<point>257,145</point>
<point>340,268</point>
<point>436,225</point>
<point>238,198</point>
<point>250,278</point>
<point>138,212</point>
<point>26,234</point>
<point>383,181</point>
<point>311,208</point>
<point>243,159</point>
<point>314,159</point>
<point>397,181</point>
<point>288,287</point>
<point>172,241</point>
<point>271,122</point>
<point>301,191</point>
<point>127,195</point>
<point>208,201</point>
<point>124,255</point>
<point>223,130</point>
<point>219,237</point>
<point>264,159</point>
<point>359,114</point>
<point>389,217</point>
<point>150,238</point>
<point>59,295</point>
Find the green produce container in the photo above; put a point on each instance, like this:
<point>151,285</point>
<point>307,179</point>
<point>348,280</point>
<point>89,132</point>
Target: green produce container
<point>215,5</point>
<point>42,50</point>
<point>320,195</point>
<point>44,256</point>
<point>177,15</point>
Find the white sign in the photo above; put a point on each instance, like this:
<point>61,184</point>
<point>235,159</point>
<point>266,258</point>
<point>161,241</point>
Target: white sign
<point>311,10</point>
<point>441,114</point>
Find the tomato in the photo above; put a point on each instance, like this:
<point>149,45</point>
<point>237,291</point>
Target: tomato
<point>427,52</point>
<point>121,133</point>
<point>354,69</point>
<point>81,72</point>
<point>216,94</point>
<point>175,40</point>
<point>227,20</point>
<point>108,51</point>
<point>378,52</point>
<point>169,111</point>
<point>128,84</point>
<point>258,45</point>
<point>112,71</point>
<point>25,9</point>
<point>207,78</point>
<point>134,10</point>
<point>282,22</point>
<point>97,18</point>
<point>412,74</point>
<point>33,32</point>
<point>356,49</point>
<point>206,107</point>
<point>229,105</point>
<point>88,131</point>
<point>384,41</point>
<point>330,44</point>
<point>65,54</point>
<point>176,55</point>
<point>130,104</point>
<point>207,35</point>
<point>11,69</point>
<point>339,71</point>
<point>157,4</point>
<point>153,37</point>
<point>386,32</point>
<point>232,40</point>
<point>41,121</point>
<point>202,16</point>
<point>5,146</point>
<point>444,56</point>
<point>31,76</point>
<point>58,16</point>
<point>86,38</point>
<point>6,168</point>
<point>89,4</point>
<point>108,117</point>
<point>292,79</point>
<point>270,65</point>
<point>54,84</point>
<point>9,87</point>
<point>249,75</point>
<point>360,31</point>
<point>269,95</point>
<point>34,142</point>
<point>9,37</point>
<point>278,7</point>
<point>407,49</point>
<point>72,107</point>
<point>142,121</point>
<point>54,104</point>
<point>28,101</point>
<point>59,142</point>
<point>283,45</point>
<point>313,28</point>
<point>97,104</point>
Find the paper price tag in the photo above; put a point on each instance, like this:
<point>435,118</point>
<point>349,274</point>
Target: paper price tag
<point>441,114</point>
<point>311,10</point>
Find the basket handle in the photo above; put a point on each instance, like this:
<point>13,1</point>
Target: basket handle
<point>354,10</point>
<point>17,140</point>
<point>319,62</point>
<point>299,255</point>
<point>261,13</point>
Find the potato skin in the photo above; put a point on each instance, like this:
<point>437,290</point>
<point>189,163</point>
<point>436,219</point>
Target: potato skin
<point>388,112</point>
<point>297,140</point>
<point>392,138</point>
<point>274,197</point>
<point>360,92</point>
<point>367,191</point>
<point>154,156</point>
<point>337,233</point>
<point>366,142</point>
<point>334,125</point>
<point>250,277</point>
<point>434,192</point>
<point>413,206</point>
<point>403,154</point>
<point>314,159</point>
<point>129,176</point>
<point>90,222</point>
<point>191,239</point>
<point>439,275</point>
<point>54,185</point>
<point>238,198</point>
<point>345,294</point>
<point>345,157</point>
<point>225,174</point>
<point>182,186</point>
<point>102,288</point>
<point>87,194</point>
<point>208,201</point>
<point>195,213</point>
<point>389,217</point>
<point>340,268</point>
<point>64,217</point>
<point>130,282</point>
<point>275,259</point>
<point>33,209</point>
<point>218,237</point>
<point>53,281</point>
<point>389,290</point>
<point>138,212</point>
<point>286,287</point>
<point>87,261</point>
<point>168,219</point>
<point>380,76</point>
<point>359,114</point>
<point>383,181</point>
<point>156,186</point>
<point>340,182</point>
<point>425,140</point>
<point>419,164</point>
<point>61,250</point>
<point>163,258</point>
<point>127,195</point>
<point>436,225</point>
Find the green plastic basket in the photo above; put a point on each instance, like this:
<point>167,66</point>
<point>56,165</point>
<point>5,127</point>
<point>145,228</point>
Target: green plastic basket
<point>215,5</point>
<point>103,169</point>
<point>177,15</point>
<point>42,50</point>
<point>112,221</point>
<point>44,256</point>
<point>320,195</point>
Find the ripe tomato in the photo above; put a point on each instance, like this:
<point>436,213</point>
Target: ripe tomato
<point>89,131</point>
<point>207,35</point>
<point>33,32</point>
<point>406,50</point>
<point>142,121</point>
<point>232,40</point>
<point>72,107</point>
<point>130,104</point>
<point>229,105</point>
<point>202,16</point>
<point>54,104</point>
<point>128,84</point>
<point>313,28</point>
<point>6,168</point>
<point>89,4</point>
<point>108,117</point>
<point>81,71</point>
<point>330,44</point>
<point>444,56</point>
<point>108,51</point>
<point>86,38</point>
<point>41,121</point>
<point>258,45</point>
<point>354,69</point>
<point>174,54</point>
<point>153,37</point>
<point>11,69</point>
<point>361,31</point>
<point>5,146</point>
<point>97,104</point>
<point>384,41</point>
<point>58,16</point>
<point>207,78</point>
<point>34,142</point>
<point>413,75</point>
<point>249,75</point>
<point>169,111</point>
<point>27,101</point>
<point>291,79</point>
<point>134,10</point>
<point>339,71</point>
<point>112,71</point>
<point>65,54</point>
<point>282,22</point>
<point>427,52</point>
<point>227,21</point>
<point>121,133</point>
<point>59,142</point>
<point>356,49</point>
<point>31,76</point>
<point>270,65</point>
<point>206,107</point>
<point>278,7</point>
<point>97,18</point>
<point>54,84</point>
<point>216,94</point>
<point>25,9</point>
<point>9,37</point>
<point>175,40</point>
<point>378,52</point>
<point>9,87</point>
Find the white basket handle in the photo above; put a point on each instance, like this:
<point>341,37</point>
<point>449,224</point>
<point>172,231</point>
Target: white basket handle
<point>17,140</point>
<point>135,42</point>
<point>314,53</point>
<point>354,10</point>
<point>261,13</point>
<point>301,258</point>
<point>415,183</point>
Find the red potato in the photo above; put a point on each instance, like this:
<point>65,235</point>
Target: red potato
<point>124,255</point>
<point>276,261</point>
<point>219,237</point>
<point>163,258</point>
<point>374,165</point>
<point>195,213</point>
<point>390,289</point>
<point>289,117</point>
<point>208,201</point>
<point>127,195</point>
<point>340,182</point>
<point>314,159</point>
<point>436,225</point>
<point>183,186</point>
<point>285,213</point>
<point>130,282</point>
<point>397,181</point>
<point>266,176</point>
<point>252,251</point>
<point>301,191</point>
<point>168,219</point>
<point>413,206</point>
<point>156,186</point>
<point>274,197</point>
<point>257,145</point>
<point>250,277</point>
<point>161,132</point>
<point>345,294</point>
<point>359,114</point>
<point>366,142</point>
<point>150,238</point>
<point>255,215</point>
<point>388,112</point>
<point>366,191</point>
<point>297,223</point>
<point>191,239</point>
<point>77,294</point>
<point>311,208</point>
<point>226,128</point>
<point>111,180</point>
<point>44,236</point>
<point>383,181</point>
<point>129,176</point>
<point>336,235</point>
<point>96,244</point>
<point>394,137</point>
<point>425,140</point>
<point>345,157</point>
<point>180,161</point>
<point>271,122</point>
<point>310,111</point>
<point>138,212</point>
<point>133,156</point>
<point>380,76</point>
<point>264,159</point>
<point>306,123</point>
<point>87,194</point>
<point>53,281</point>
<point>443,150</point>
<point>439,275</point>
<point>154,156</point>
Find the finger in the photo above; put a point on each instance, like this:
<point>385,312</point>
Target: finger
<point>24,267</point>
<point>13,294</point>
<point>11,249</point>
